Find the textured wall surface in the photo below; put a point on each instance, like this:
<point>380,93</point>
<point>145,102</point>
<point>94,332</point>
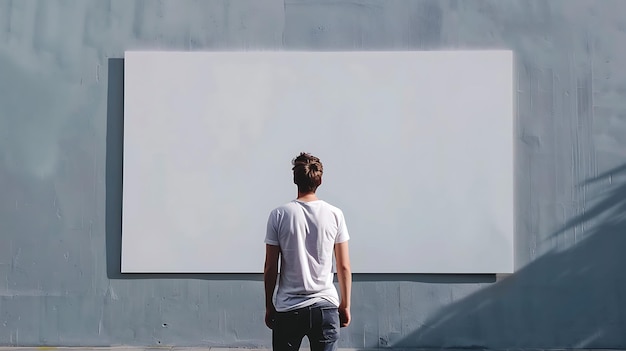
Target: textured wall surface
<point>61,81</point>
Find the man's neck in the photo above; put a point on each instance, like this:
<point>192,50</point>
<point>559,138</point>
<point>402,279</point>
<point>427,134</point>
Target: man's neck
<point>306,197</point>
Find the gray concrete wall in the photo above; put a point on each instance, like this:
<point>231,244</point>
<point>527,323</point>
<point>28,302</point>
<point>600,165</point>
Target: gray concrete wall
<point>61,120</point>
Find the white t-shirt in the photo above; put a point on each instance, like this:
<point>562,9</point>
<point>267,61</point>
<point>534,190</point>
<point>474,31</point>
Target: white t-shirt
<point>306,233</point>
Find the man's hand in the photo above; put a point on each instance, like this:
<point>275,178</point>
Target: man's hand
<point>270,317</point>
<point>344,316</point>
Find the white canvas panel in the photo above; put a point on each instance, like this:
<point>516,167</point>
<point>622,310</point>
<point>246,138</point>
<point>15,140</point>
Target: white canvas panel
<point>417,150</point>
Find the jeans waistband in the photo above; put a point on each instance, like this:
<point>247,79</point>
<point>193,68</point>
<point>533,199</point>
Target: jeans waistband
<point>319,304</point>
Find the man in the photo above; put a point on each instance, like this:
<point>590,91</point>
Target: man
<point>303,234</point>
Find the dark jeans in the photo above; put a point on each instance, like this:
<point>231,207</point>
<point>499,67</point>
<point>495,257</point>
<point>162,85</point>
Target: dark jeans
<point>319,322</point>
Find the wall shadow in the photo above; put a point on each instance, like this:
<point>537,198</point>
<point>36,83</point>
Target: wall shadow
<point>114,167</point>
<point>572,298</point>
<point>432,278</point>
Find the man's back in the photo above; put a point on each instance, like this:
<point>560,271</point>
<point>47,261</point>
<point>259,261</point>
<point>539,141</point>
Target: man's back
<point>306,233</point>
<point>303,235</point>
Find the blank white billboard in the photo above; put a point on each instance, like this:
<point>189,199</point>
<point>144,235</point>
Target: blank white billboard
<point>417,150</point>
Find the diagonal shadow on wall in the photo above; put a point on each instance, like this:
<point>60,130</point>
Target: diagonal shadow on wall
<point>565,299</point>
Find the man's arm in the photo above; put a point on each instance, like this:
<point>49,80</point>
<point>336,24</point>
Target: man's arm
<point>344,276</point>
<point>270,273</point>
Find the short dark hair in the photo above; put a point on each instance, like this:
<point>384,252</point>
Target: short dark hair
<point>307,172</point>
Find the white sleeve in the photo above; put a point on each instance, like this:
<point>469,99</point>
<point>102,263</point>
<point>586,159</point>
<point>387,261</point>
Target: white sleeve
<point>342,230</point>
<point>271,234</point>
